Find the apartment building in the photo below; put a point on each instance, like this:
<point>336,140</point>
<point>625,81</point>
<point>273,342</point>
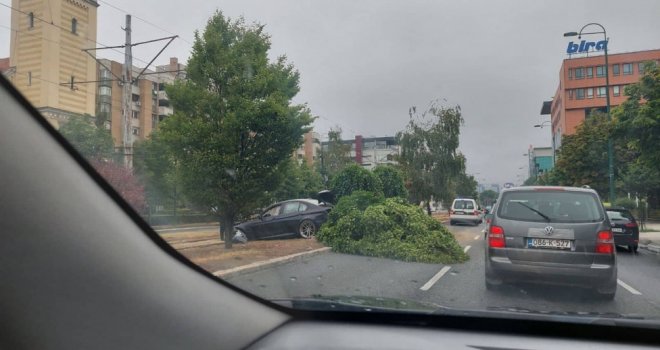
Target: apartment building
<point>309,150</point>
<point>149,101</point>
<point>46,61</point>
<point>371,151</point>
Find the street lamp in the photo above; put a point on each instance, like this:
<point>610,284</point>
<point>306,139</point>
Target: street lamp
<point>610,153</point>
<point>551,139</point>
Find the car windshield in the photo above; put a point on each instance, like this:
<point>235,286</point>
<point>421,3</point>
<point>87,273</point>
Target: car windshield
<point>559,206</point>
<point>344,149</point>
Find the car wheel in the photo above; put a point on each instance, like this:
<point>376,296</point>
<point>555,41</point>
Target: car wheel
<point>451,223</point>
<point>307,229</point>
<point>633,248</point>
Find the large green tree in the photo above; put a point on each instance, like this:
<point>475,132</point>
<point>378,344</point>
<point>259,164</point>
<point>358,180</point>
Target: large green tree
<point>488,197</point>
<point>300,181</point>
<point>335,156</point>
<point>392,181</point>
<point>234,126</point>
<point>429,153</point>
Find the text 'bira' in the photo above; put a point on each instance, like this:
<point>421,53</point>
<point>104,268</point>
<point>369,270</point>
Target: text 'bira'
<point>585,46</point>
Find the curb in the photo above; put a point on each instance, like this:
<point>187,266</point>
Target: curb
<point>651,247</point>
<point>261,265</point>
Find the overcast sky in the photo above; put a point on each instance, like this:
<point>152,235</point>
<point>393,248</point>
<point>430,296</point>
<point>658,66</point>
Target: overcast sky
<point>364,63</point>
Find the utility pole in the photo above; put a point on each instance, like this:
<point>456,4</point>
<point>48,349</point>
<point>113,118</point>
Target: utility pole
<point>127,97</point>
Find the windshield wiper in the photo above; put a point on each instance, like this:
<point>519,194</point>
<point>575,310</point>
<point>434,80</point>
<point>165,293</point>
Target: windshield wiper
<point>534,210</point>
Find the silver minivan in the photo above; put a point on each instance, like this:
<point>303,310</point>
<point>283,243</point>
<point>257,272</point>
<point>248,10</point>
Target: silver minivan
<point>556,235</point>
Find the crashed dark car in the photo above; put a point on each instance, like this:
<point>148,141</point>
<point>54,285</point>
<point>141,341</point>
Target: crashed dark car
<point>298,217</point>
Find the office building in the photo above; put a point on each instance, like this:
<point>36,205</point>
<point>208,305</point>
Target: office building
<point>582,88</point>
<point>540,160</point>
<point>46,62</point>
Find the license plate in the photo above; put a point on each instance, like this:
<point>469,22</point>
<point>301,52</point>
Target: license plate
<point>460,213</point>
<point>616,229</point>
<point>548,243</point>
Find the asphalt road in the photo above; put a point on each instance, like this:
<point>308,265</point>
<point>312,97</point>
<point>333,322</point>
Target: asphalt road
<point>457,286</point>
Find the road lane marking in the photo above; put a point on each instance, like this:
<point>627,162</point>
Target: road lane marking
<point>467,247</point>
<point>476,238</point>
<point>435,278</point>
<point>627,287</point>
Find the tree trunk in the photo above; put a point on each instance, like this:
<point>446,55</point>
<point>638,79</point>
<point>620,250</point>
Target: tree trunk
<point>227,229</point>
<point>428,207</point>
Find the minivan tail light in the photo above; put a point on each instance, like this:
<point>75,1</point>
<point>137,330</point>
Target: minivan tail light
<point>605,242</point>
<point>476,212</point>
<point>496,237</point>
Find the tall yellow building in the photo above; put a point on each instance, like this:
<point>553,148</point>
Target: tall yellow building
<point>46,55</point>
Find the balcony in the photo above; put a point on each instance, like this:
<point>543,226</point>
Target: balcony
<point>165,110</point>
<point>135,89</point>
<point>136,105</point>
<point>162,95</point>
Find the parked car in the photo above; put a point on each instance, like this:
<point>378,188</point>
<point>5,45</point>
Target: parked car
<point>298,217</point>
<point>465,210</point>
<point>556,235</point>
<point>624,227</point>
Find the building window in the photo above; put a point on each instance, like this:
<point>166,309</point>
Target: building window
<point>71,83</point>
<point>74,26</point>
<point>579,73</point>
<point>136,114</point>
<point>570,94</point>
<point>579,94</point>
<point>600,71</point>
<point>29,78</point>
<point>627,68</point>
<point>602,91</point>
<point>640,67</point>
<point>570,73</point>
<point>616,90</point>
<point>590,72</point>
<point>590,93</point>
<point>615,69</point>
<point>30,20</point>
<point>104,108</point>
<point>136,131</point>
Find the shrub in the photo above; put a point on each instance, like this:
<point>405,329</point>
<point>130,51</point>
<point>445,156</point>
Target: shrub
<point>367,224</point>
<point>354,178</point>
<point>392,181</point>
<point>625,202</point>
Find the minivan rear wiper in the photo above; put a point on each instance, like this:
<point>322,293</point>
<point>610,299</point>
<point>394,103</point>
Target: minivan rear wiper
<point>534,210</point>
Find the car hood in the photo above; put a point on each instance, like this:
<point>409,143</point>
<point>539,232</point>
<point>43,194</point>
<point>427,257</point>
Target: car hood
<point>380,304</point>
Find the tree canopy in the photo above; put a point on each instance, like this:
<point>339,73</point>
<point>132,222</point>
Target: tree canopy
<point>234,127</point>
<point>91,141</point>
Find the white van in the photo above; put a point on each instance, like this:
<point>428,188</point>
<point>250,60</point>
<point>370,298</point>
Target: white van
<point>465,210</point>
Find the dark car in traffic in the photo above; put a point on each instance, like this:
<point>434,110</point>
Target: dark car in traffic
<point>624,227</point>
<point>553,235</point>
<point>298,217</point>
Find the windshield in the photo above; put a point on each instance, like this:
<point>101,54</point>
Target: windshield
<point>344,149</point>
<point>560,206</point>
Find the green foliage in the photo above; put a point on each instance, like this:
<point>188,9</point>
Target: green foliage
<point>639,122</point>
<point>234,127</point>
<point>368,224</point>
<point>92,142</point>
<point>392,181</point>
<point>625,202</point>
<point>465,185</point>
<point>154,164</point>
<point>300,181</point>
<point>641,178</point>
<point>488,197</point>
<point>429,156</point>
<point>355,178</point>
<point>336,157</point>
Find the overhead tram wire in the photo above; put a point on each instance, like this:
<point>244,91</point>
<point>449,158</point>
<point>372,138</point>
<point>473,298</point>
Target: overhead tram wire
<point>146,21</point>
<point>68,30</point>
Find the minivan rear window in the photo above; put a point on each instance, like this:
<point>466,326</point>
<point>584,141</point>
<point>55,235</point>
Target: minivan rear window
<point>555,206</point>
<point>463,204</point>
<point>619,215</point>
